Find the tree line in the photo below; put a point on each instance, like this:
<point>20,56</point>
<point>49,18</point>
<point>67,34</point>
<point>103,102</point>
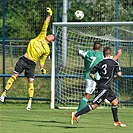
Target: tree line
<point>24,18</point>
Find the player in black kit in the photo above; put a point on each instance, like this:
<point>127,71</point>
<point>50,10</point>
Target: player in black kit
<point>107,68</point>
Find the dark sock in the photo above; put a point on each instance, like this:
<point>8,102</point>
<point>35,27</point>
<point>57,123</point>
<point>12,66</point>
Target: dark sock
<point>84,110</point>
<point>115,113</point>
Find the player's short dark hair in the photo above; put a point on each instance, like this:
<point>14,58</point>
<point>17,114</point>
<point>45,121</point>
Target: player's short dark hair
<point>97,45</point>
<point>54,37</point>
<point>106,51</point>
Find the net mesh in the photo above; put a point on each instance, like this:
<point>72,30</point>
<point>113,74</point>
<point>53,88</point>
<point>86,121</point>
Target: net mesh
<point>70,84</point>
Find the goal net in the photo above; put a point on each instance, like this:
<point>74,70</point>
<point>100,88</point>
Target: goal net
<point>69,68</point>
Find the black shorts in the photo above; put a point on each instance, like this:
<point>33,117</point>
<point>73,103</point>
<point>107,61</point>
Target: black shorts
<point>104,94</point>
<point>25,65</point>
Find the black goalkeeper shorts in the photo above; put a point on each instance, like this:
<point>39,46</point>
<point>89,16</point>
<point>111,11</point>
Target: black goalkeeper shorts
<point>25,65</point>
<point>104,94</point>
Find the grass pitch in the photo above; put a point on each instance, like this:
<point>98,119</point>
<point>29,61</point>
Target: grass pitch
<point>14,118</point>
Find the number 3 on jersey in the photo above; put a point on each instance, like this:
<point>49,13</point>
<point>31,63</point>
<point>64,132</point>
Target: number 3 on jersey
<point>104,68</point>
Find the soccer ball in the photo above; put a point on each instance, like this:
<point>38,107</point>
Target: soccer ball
<point>79,15</point>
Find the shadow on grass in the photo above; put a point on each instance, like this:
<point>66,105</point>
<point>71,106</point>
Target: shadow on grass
<point>53,124</point>
<point>43,121</point>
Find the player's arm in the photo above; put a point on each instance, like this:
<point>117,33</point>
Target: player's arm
<point>81,53</point>
<point>43,32</point>
<point>118,71</point>
<point>92,72</point>
<point>117,55</point>
<point>42,62</point>
<point>119,74</point>
<point>93,77</point>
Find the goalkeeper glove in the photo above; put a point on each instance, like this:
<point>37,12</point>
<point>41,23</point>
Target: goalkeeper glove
<point>43,70</point>
<point>49,11</point>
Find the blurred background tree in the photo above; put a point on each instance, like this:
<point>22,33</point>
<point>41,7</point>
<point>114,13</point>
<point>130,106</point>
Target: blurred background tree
<point>24,18</point>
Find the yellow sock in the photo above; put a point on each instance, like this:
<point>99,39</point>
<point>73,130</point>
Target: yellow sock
<point>4,93</point>
<point>30,91</point>
<point>30,101</point>
<point>10,82</point>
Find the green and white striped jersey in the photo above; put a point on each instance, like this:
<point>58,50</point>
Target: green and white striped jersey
<point>91,58</point>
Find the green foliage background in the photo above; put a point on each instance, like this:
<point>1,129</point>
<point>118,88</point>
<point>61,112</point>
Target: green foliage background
<point>24,18</point>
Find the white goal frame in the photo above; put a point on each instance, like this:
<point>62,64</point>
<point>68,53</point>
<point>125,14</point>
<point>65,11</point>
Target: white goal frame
<point>67,24</point>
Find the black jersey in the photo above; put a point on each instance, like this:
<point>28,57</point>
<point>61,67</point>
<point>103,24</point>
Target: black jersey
<point>106,69</point>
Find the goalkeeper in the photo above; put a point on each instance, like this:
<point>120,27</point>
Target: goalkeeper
<point>91,58</point>
<point>37,48</point>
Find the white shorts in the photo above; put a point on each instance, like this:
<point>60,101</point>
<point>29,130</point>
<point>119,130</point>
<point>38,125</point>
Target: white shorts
<point>90,86</point>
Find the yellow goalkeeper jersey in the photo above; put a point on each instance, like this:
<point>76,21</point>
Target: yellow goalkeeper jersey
<point>38,47</point>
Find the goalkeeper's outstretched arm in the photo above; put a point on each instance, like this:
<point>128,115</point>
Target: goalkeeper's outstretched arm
<point>49,39</point>
<point>49,11</point>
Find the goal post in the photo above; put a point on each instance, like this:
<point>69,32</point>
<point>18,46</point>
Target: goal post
<point>67,82</point>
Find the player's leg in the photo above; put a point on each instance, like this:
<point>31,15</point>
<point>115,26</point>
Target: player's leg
<point>115,114</point>
<point>30,92</point>
<point>75,115</point>
<point>90,87</point>
<point>114,109</point>
<point>29,73</point>
<point>18,70</point>
<point>82,103</point>
<point>8,86</point>
<point>96,101</point>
